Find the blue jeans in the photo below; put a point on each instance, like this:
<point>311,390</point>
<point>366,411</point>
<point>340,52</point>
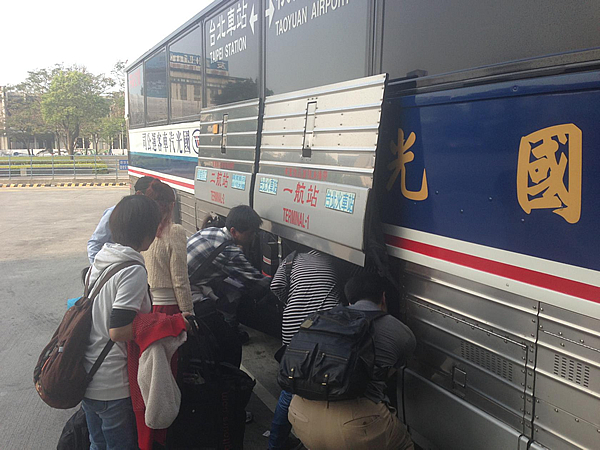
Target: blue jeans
<point>281,426</point>
<point>111,424</point>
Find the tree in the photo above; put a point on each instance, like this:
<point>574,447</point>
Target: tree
<point>73,100</point>
<point>118,75</point>
<point>23,117</point>
<point>36,85</point>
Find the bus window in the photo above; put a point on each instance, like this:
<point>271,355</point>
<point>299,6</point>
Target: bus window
<point>156,87</point>
<point>231,45</point>
<point>429,37</point>
<point>185,71</point>
<point>314,43</point>
<point>135,80</point>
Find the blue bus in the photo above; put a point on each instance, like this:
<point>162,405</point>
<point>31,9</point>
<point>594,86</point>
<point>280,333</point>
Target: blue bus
<point>454,144</point>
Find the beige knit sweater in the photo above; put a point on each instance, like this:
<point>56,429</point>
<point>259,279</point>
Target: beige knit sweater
<point>166,262</point>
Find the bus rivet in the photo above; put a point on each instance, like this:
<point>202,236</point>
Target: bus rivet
<point>576,420</point>
<point>555,409</point>
<point>560,333</point>
<point>581,340</point>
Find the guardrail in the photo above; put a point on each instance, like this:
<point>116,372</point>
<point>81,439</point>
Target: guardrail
<point>63,167</point>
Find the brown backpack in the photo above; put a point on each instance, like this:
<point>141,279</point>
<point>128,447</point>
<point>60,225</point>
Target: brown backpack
<point>59,375</point>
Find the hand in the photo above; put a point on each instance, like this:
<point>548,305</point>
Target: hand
<point>185,315</point>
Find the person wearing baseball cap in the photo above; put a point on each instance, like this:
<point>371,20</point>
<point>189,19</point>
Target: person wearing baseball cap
<point>102,233</point>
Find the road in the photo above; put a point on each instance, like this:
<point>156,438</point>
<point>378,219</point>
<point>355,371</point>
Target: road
<point>43,236</point>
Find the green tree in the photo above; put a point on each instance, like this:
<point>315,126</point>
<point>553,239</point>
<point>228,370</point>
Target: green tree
<point>74,99</point>
<point>24,120</point>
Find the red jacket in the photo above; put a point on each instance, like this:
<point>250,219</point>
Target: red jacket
<point>149,328</point>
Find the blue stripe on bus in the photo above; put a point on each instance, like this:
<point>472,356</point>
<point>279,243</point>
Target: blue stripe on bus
<point>470,151</point>
<point>176,165</point>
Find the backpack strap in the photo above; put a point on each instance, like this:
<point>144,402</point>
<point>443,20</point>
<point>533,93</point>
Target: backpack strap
<point>195,276</point>
<point>113,271</point>
<point>103,279</point>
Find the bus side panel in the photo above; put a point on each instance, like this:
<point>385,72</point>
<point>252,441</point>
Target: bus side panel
<point>489,197</point>
<point>185,211</point>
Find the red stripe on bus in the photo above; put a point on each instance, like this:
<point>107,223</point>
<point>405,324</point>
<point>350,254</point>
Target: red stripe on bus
<point>180,183</point>
<point>532,277</point>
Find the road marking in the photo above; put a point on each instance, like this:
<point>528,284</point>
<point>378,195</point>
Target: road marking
<point>261,392</point>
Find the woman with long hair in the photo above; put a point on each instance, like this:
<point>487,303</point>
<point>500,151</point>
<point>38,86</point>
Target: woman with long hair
<point>166,262</point>
<point>166,259</point>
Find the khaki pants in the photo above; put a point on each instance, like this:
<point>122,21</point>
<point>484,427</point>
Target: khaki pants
<point>357,424</point>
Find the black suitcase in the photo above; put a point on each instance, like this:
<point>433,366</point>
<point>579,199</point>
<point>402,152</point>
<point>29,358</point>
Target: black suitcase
<point>214,396</point>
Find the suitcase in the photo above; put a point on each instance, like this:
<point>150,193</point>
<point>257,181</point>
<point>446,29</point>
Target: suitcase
<point>214,396</point>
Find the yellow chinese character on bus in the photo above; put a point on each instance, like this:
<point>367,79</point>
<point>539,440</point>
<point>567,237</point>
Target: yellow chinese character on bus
<point>549,171</point>
<point>404,156</point>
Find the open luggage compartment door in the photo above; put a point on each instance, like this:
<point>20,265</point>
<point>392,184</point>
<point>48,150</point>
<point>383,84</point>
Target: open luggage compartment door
<point>317,159</point>
<point>226,156</point>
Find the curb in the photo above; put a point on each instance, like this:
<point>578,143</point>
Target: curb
<point>20,185</point>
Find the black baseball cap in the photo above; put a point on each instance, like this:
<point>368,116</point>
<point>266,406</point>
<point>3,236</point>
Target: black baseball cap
<point>143,183</point>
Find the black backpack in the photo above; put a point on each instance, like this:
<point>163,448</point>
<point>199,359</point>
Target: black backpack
<point>332,356</point>
<point>75,434</point>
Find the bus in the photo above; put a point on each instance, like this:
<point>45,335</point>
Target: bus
<point>454,144</point>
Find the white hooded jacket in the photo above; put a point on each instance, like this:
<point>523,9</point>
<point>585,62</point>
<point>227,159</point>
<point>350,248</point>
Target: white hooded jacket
<point>128,289</point>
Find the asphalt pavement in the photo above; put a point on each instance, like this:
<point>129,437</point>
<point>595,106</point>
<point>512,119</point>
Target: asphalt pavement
<point>43,237</point>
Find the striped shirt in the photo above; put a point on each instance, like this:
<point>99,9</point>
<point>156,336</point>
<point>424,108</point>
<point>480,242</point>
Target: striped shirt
<point>313,286</point>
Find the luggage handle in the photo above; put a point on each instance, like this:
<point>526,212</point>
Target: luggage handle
<point>198,326</point>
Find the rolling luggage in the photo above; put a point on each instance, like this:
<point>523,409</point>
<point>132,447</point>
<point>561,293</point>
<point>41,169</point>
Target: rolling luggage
<point>214,395</point>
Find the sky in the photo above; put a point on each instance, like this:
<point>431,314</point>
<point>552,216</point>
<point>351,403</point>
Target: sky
<point>38,34</point>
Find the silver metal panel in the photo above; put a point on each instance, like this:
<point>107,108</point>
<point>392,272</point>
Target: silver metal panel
<point>557,429</point>
<point>317,157</point>
<point>226,155</point>
<point>567,385</point>
<point>449,422</point>
<point>474,341</point>
<point>224,188</point>
<point>580,402</point>
<point>187,216</point>
<point>536,446</point>
<point>492,308</point>
<point>523,442</point>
